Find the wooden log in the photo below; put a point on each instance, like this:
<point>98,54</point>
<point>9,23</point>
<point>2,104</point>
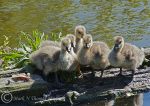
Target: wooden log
<point>109,87</point>
<point>8,73</point>
<point>36,86</point>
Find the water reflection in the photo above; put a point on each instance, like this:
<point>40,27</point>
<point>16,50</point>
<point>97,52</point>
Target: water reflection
<point>136,100</point>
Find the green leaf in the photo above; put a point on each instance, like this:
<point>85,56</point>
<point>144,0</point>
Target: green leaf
<point>19,57</point>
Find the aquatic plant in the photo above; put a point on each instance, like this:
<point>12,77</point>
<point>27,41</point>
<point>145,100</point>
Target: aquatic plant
<point>11,58</point>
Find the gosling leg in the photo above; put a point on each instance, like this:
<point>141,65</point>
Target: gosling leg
<point>120,71</point>
<point>79,72</point>
<point>133,72</point>
<point>102,72</point>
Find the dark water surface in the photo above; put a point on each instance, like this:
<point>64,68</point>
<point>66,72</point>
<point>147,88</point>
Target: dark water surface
<point>102,18</point>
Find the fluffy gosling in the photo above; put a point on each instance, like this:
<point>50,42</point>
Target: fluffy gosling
<point>46,59</point>
<point>125,55</point>
<point>80,31</point>
<point>94,54</point>
<point>52,59</point>
<point>67,59</point>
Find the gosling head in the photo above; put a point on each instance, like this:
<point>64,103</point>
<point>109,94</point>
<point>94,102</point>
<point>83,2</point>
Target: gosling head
<point>66,44</point>
<point>87,41</point>
<point>119,43</point>
<point>73,39</point>
<point>80,31</point>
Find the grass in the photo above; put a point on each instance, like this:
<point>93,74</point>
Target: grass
<point>19,57</point>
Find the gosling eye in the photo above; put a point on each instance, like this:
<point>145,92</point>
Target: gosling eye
<point>119,42</point>
<point>79,32</point>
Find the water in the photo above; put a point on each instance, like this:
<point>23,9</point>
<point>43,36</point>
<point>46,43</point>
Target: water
<point>104,19</point>
<point>137,100</point>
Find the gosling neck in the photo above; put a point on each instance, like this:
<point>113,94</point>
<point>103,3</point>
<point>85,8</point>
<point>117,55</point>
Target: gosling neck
<point>78,39</point>
<point>120,49</point>
<point>85,48</point>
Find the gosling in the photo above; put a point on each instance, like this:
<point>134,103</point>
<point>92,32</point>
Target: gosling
<point>94,54</point>
<point>46,59</point>
<point>125,55</point>
<point>68,59</point>
<point>52,59</point>
<point>80,31</point>
<point>73,45</point>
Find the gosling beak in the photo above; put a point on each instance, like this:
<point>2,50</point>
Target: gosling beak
<point>87,45</point>
<point>68,50</point>
<point>73,45</point>
<point>117,46</point>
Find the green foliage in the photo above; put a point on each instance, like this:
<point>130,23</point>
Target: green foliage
<point>19,57</point>
<point>31,43</point>
<point>56,37</point>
